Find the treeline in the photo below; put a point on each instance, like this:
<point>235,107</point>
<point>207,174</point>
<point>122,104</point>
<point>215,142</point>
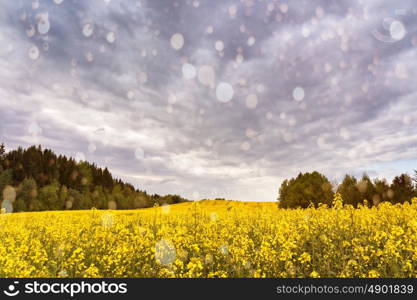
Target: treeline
<point>36,179</point>
<point>311,189</point>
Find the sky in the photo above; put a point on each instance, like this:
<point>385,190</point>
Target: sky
<point>208,98</point>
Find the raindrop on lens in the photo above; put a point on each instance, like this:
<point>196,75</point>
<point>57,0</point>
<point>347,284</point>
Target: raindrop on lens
<point>232,10</point>
<point>245,146</point>
<point>172,99</point>
<point>251,41</point>
<point>407,120</point>
<point>298,94</point>
<point>219,46</point>
<point>165,252</point>
<point>130,95</point>
<point>224,92</point>
<point>33,53</point>
<point>43,24</point>
<point>305,32</point>
<point>177,41</point>
<point>107,220</point>
<point>88,29</point>
<point>251,101</point>
<point>206,75</point>
<point>139,153</point>
<point>142,77</point>
<point>284,8</point>
<point>35,4</point>
<point>214,217</point>
<point>92,147</point>
<point>239,58</point>
<point>188,71</point>
<point>224,249</point>
<point>34,129</point>
<point>30,32</point>
<point>79,156</point>
<point>7,206</point>
<point>89,56</point>
<point>111,37</point>
<point>9,194</point>
<point>166,208</point>
<point>397,30</point>
<point>68,204</point>
<point>112,205</point>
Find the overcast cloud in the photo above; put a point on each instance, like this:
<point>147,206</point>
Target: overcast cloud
<point>213,98</point>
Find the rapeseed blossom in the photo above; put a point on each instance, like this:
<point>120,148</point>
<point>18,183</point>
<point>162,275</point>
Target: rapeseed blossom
<point>213,239</point>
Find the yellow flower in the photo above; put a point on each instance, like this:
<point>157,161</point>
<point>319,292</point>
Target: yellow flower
<point>314,274</point>
<point>373,274</point>
<point>244,240</point>
<point>304,258</point>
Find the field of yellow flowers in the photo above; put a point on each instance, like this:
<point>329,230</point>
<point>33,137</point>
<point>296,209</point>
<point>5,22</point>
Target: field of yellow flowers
<point>212,239</point>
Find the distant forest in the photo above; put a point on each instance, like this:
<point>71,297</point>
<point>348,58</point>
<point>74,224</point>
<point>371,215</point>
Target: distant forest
<point>313,189</point>
<point>36,179</point>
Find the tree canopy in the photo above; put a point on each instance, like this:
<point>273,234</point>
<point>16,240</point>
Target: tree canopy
<point>314,188</point>
<point>305,190</point>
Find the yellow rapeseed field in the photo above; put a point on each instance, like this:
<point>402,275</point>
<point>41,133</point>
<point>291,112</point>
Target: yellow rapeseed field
<point>212,239</point>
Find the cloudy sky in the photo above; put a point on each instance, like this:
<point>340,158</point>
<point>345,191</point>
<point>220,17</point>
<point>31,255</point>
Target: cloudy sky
<point>209,98</point>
